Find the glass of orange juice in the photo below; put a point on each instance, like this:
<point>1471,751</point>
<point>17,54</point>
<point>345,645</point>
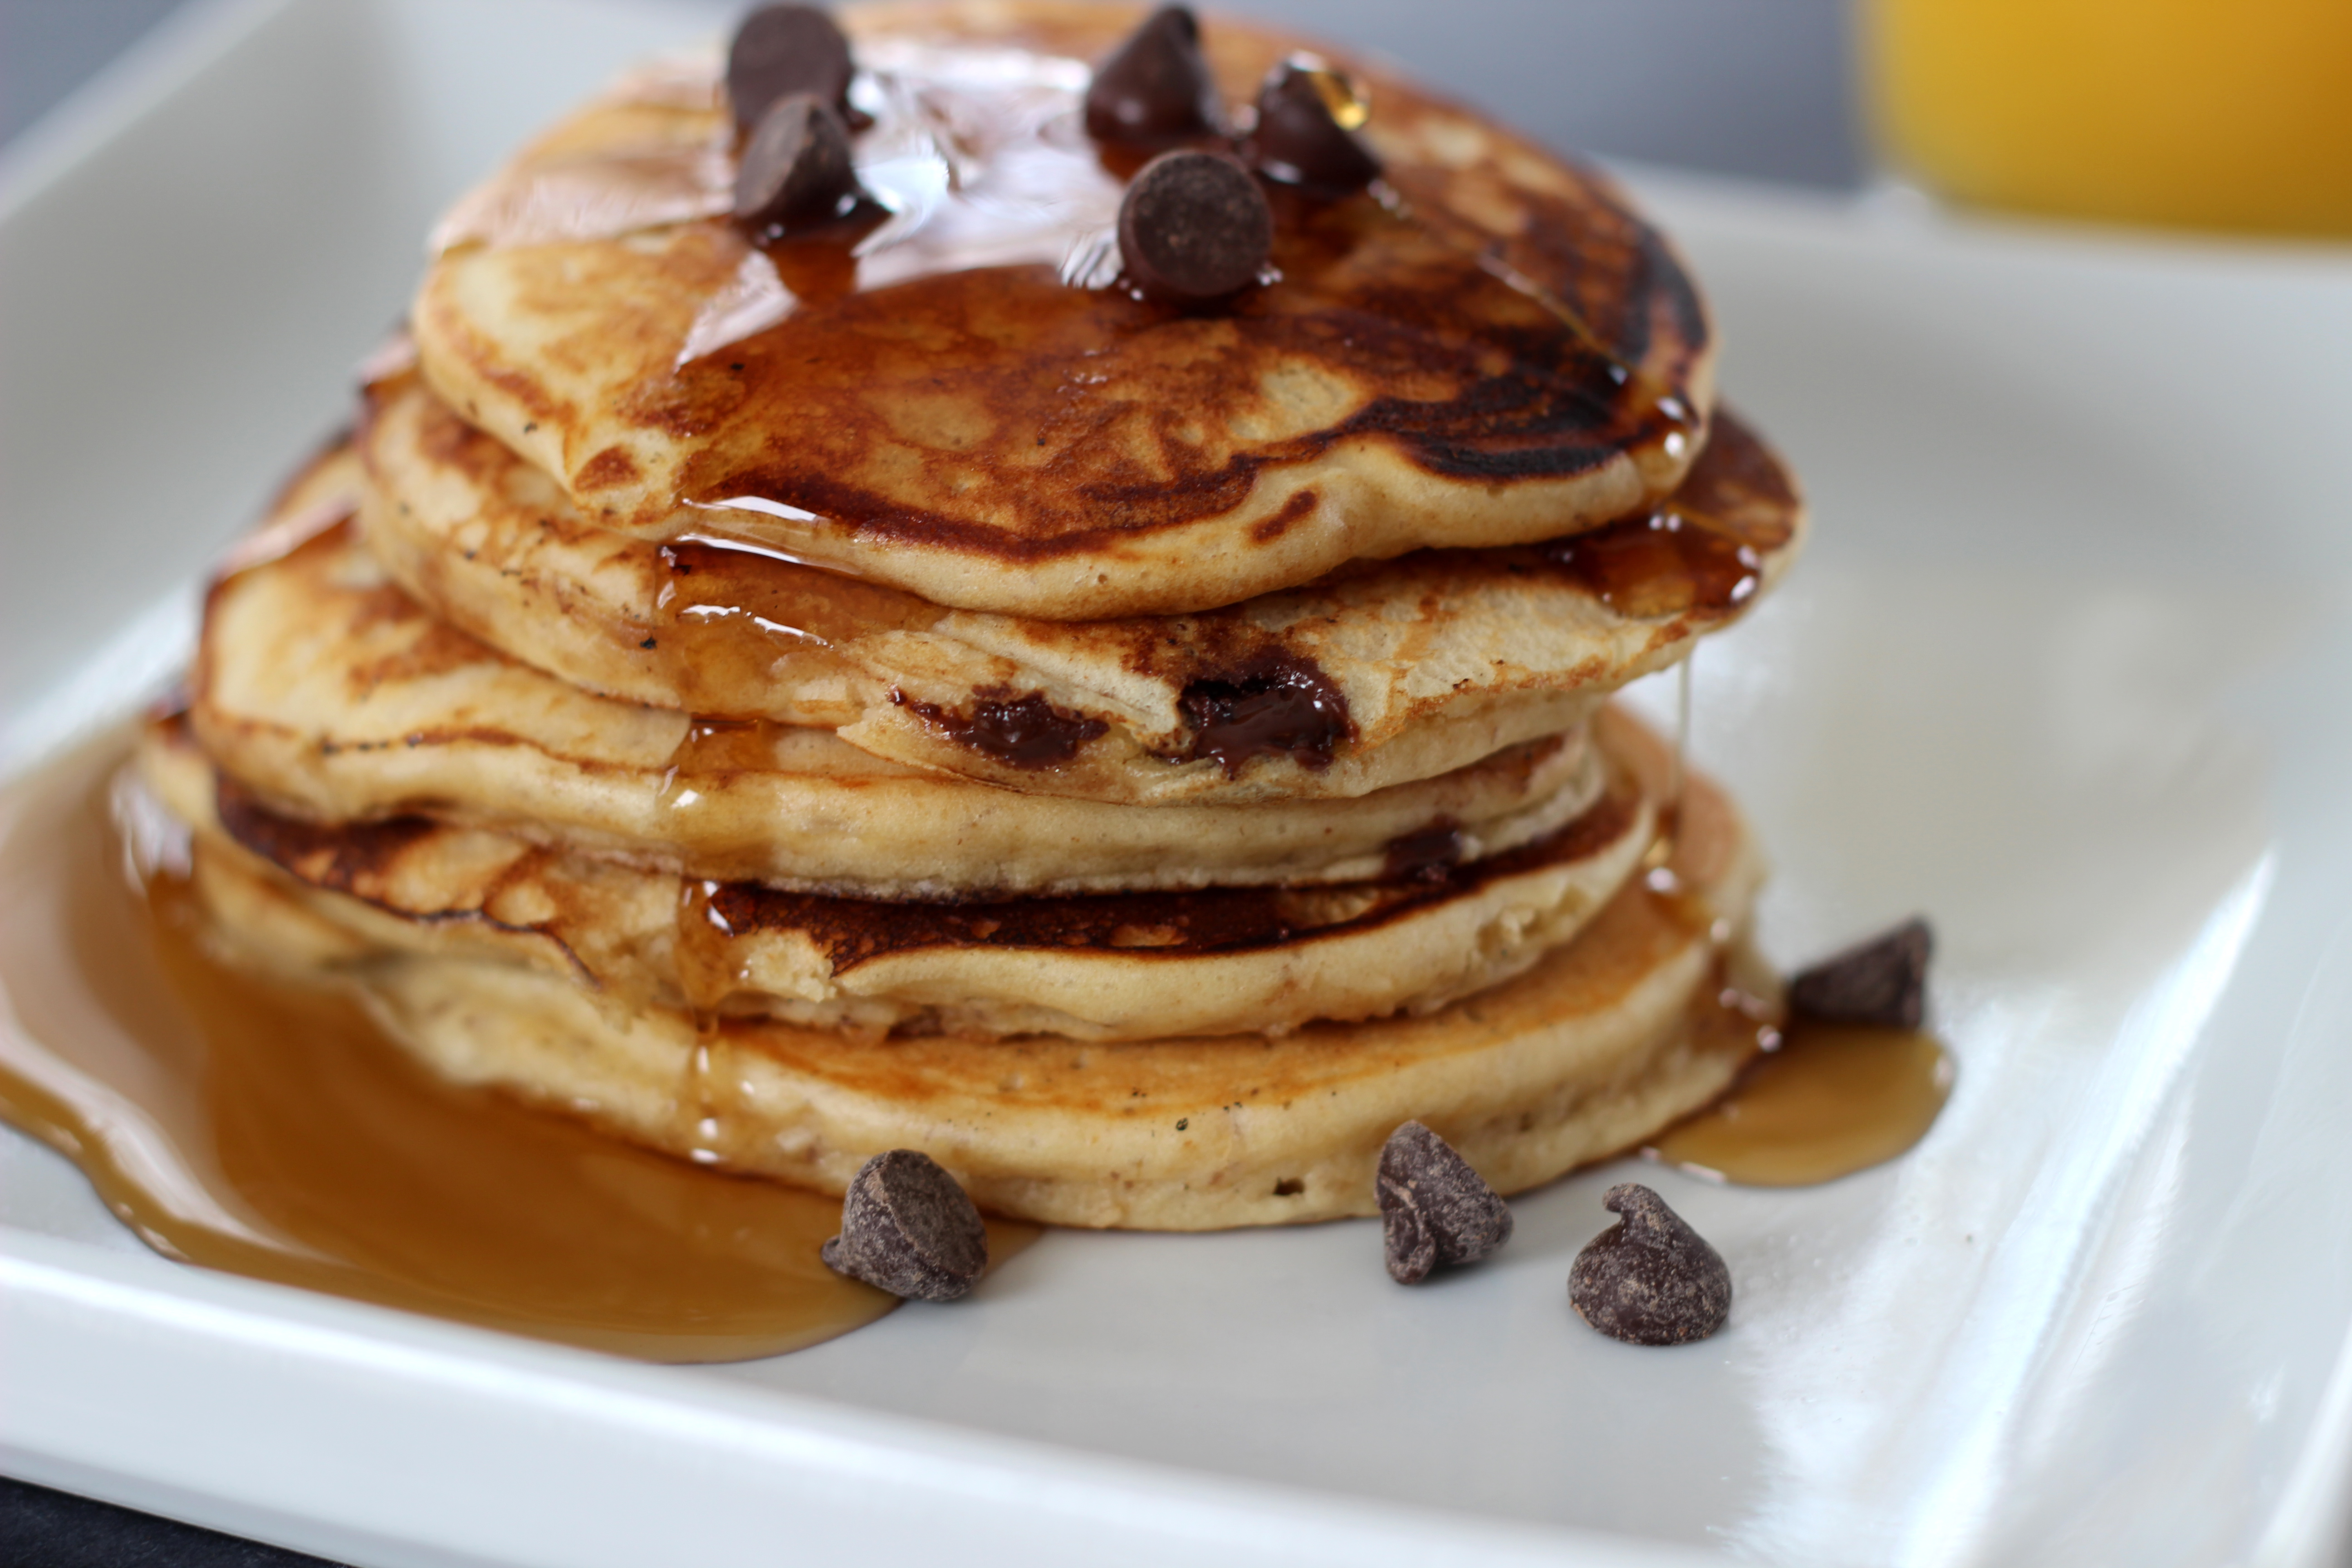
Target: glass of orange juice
<point>2226,114</point>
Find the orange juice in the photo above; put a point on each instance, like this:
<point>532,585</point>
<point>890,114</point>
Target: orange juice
<point>2232,114</point>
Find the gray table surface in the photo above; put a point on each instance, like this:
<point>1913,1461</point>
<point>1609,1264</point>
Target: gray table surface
<point>1750,88</point>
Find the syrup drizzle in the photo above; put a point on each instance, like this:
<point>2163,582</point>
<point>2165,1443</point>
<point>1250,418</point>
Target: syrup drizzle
<point>269,1130</point>
<point>1829,1101</point>
<point>733,623</point>
<point>1817,1101</point>
<point>1656,860</point>
<point>976,165</point>
<point>730,619</point>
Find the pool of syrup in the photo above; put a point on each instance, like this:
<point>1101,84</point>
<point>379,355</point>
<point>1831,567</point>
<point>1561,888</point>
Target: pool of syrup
<point>270,1130</point>
<point>1831,1100</point>
<point>1820,1101</point>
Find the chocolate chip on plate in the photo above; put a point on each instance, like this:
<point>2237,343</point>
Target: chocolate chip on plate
<point>1882,980</point>
<point>907,1228</point>
<point>795,169</point>
<point>1649,1279</point>
<point>1194,226</point>
<point>1306,116</point>
<point>1434,1209</point>
<point>1156,87</point>
<point>783,49</point>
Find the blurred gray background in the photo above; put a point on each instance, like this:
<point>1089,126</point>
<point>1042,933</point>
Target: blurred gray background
<point>1756,88</point>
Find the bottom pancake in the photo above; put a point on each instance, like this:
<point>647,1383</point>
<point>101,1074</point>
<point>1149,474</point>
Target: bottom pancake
<point>1606,1040</point>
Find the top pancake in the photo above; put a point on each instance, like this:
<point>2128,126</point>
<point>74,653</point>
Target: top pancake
<point>1488,349</point>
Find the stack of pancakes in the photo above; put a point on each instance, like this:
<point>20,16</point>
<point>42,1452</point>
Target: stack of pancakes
<point>903,686</point>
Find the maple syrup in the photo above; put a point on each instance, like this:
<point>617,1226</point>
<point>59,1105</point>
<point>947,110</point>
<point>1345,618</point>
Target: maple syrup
<point>270,1130</point>
<point>1816,1100</point>
<point>1831,1100</point>
<point>1528,340</point>
<point>731,617</point>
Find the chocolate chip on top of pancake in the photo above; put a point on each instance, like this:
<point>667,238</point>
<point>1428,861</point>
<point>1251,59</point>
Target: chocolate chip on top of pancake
<point>968,397</point>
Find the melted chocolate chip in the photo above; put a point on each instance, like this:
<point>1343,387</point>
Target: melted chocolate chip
<point>784,49</point>
<point>1434,1209</point>
<point>1194,226</point>
<point>1274,705</point>
<point>795,169</point>
<point>907,1228</point>
<point>1156,87</point>
<point>1425,854</point>
<point>1881,981</point>
<point>1026,732</point>
<point>1299,142</point>
<point>1650,1279</point>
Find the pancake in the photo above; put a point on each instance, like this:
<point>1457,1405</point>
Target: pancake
<point>906,685</point>
<point>1390,672</point>
<point>1105,967</point>
<point>1612,1037</point>
<point>324,686</point>
<point>1487,348</point>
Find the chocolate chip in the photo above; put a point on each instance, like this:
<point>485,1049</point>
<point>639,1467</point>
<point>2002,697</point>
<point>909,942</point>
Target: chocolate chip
<point>1156,87</point>
<point>795,169</point>
<point>1299,139</point>
<point>1425,854</point>
<point>907,1228</point>
<point>784,49</point>
<point>1194,226</point>
<point>1650,1279</point>
<point>1434,1209</point>
<point>1026,732</point>
<point>1881,981</point>
<point>1274,704</point>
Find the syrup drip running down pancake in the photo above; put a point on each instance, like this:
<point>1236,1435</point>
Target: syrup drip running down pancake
<point>1382,673</point>
<point>958,396</point>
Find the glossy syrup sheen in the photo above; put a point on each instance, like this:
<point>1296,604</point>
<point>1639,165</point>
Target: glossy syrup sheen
<point>728,606</point>
<point>1833,1099</point>
<point>727,616</point>
<point>1816,1100</point>
<point>271,1131</point>
<point>1489,312</point>
<point>1701,550</point>
<point>1489,387</point>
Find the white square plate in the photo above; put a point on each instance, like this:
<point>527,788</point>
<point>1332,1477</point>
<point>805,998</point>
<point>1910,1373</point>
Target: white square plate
<point>2063,670</point>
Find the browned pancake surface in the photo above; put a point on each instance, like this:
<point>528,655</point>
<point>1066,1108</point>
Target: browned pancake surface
<point>1490,348</point>
<point>320,684</point>
<point>1380,672</point>
<point>1105,967</point>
